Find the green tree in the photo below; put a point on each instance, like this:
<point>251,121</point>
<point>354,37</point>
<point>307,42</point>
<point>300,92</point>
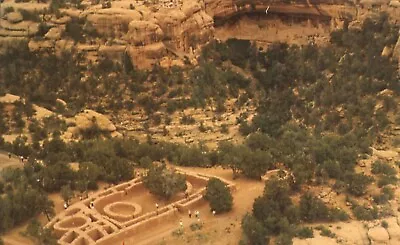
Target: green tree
<point>164,182</point>
<point>357,183</point>
<point>312,209</point>
<point>254,230</point>
<point>66,193</point>
<point>40,234</point>
<point>219,196</point>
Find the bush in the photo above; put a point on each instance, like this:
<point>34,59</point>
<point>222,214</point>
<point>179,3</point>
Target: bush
<point>7,10</point>
<point>224,128</point>
<point>384,168</point>
<point>386,195</point>
<point>363,213</point>
<point>384,224</point>
<point>325,231</point>
<point>305,232</point>
<point>312,208</point>
<point>196,226</point>
<point>27,15</point>
<point>387,180</point>
<point>187,120</point>
<point>73,29</point>
<point>357,183</point>
<point>338,214</point>
<point>164,182</point>
<point>219,196</point>
<point>284,239</point>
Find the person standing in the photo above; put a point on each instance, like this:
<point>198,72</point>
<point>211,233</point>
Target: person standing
<point>9,155</point>
<point>181,224</point>
<point>190,213</point>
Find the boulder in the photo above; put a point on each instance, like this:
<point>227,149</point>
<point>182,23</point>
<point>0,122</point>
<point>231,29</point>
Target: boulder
<point>378,235</point>
<point>9,99</point>
<point>352,232</point>
<point>394,4</point>
<point>55,33</point>
<point>14,17</point>
<point>88,118</point>
<point>393,230</point>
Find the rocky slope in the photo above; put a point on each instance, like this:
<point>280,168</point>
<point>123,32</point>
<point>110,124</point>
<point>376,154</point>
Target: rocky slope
<point>150,31</point>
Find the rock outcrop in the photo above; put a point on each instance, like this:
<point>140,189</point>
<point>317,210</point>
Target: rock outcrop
<point>89,118</point>
<point>378,235</point>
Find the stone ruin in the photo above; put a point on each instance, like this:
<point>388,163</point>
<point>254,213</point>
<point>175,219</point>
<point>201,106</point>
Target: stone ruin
<point>115,213</point>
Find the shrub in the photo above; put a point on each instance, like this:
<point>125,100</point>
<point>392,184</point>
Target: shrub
<point>363,213</point>
<point>325,231</point>
<point>284,239</point>
<point>196,226</point>
<point>219,196</point>
<point>387,180</point>
<point>73,29</point>
<point>312,208</point>
<point>384,224</point>
<point>187,120</point>
<point>305,232</point>
<point>338,214</point>
<point>7,10</point>
<point>357,183</point>
<point>224,129</point>
<point>379,167</point>
<point>27,15</point>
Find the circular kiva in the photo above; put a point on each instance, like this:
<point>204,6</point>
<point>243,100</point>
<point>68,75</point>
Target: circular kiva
<point>71,222</point>
<point>122,211</point>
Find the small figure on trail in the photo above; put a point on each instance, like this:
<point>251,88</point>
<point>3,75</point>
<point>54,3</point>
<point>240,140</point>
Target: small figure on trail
<point>181,224</point>
<point>197,214</point>
<point>9,155</point>
<point>91,205</point>
<point>213,212</point>
<point>21,158</point>
<point>157,208</point>
<point>190,213</point>
<point>126,192</point>
<point>65,205</point>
